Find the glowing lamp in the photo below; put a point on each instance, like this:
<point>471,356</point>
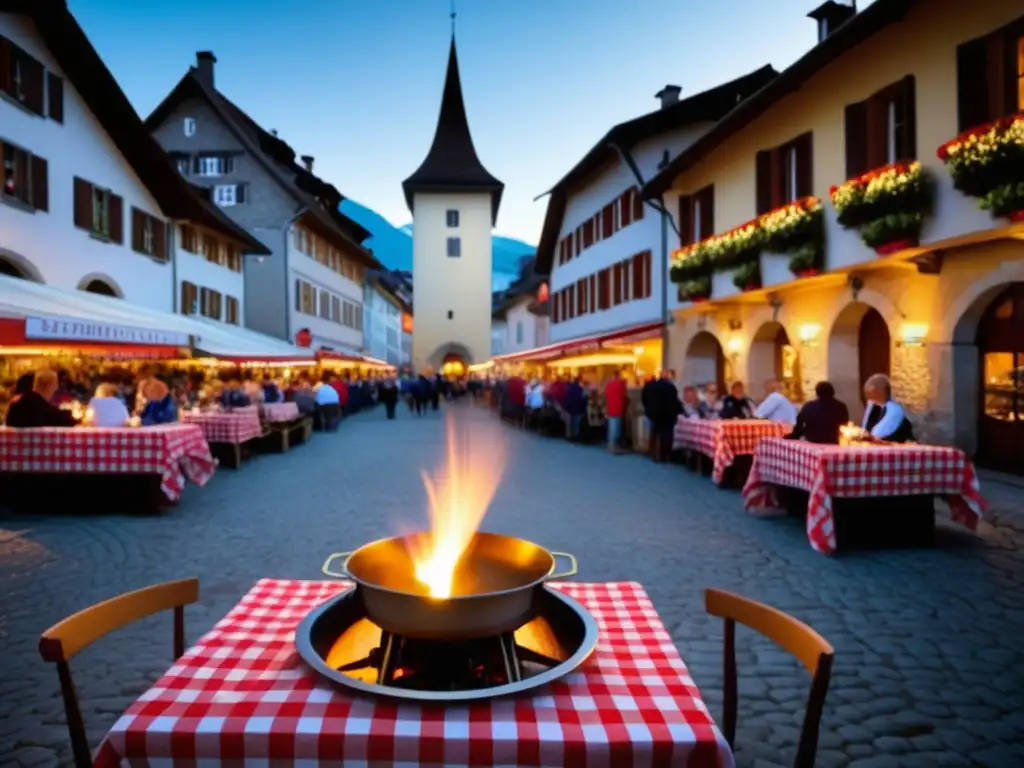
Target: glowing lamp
<point>808,334</point>
<point>913,334</point>
<point>735,345</point>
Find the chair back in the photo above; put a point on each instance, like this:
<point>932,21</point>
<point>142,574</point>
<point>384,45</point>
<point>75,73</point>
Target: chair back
<point>67,637</point>
<point>798,639</point>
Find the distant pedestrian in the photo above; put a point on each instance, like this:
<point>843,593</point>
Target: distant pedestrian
<point>389,397</point>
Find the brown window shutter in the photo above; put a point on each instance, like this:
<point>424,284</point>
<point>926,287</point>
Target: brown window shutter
<point>638,205</point>
<point>83,204</point>
<point>137,226</point>
<point>577,238</point>
<point>55,90</point>
<point>856,130</point>
<point>592,294</point>
<point>972,83</point>
<point>40,184</point>
<point>116,219</point>
<point>997,75</point>
<point>908,98</point>
<point>5,64</point>
<point>778,184</point>
<point>646,264</point>
<point>608,220</point>
<point>638,276</point>
<point>35,78</point>
<point>160,239</point>
<point>804,165</point>
<point>588,232</point>
<point>626,208</point>
<point>685,220</point>
<point>707,211</point>
<point>878,130</point>
<point>764,181</point>
<point>298,295</point>
<point>580,295</point>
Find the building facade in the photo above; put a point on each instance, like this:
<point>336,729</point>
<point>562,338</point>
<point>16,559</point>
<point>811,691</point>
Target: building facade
<point>89,202</point>
<point>384,305</point>
<point>454,201</point>
<point>520,321</point>
<point>313,278</point>
<point>601,244</point>
<point>855,238</point>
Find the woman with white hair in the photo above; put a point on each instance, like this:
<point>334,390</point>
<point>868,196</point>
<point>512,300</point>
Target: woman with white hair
<point>885,419</point>
<point>108,410</point>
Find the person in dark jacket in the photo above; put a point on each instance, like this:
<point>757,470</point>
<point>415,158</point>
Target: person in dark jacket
<point>736,405</point>
<point>160,406</point>
<point>435,391</point>
<point>575,406</point>
<point>234,396</point>
<point>33,408</point>
<point>389,397</point>
<point>663,412</point>
<point>820,419</point>
<point>421,394</point>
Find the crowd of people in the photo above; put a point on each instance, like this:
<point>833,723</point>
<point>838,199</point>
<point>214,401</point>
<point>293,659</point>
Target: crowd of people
<point>586,411</point>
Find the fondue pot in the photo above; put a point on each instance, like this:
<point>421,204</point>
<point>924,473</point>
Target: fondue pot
<point>494,589</point>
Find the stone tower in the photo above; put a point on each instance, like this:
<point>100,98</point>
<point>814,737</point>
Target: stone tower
<point>454,203</point>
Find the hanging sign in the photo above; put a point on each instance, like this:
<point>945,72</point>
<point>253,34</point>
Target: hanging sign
<point>303,338</point>
<point>75,329</point>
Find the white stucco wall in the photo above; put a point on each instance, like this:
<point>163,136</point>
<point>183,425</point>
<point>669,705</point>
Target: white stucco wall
<point>327,333</point>
<point>194,268</point>
<point>519,314</point>
<point>639,236</point>
<point>61,254</point>
<point>445,284</point>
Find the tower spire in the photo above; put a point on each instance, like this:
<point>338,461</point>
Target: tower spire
<point>452,14</point>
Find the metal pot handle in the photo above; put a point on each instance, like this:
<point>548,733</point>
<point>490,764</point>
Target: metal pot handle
<point>327,566</point>
<point>572,570</point>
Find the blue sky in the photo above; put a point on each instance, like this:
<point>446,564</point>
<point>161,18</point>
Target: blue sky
<point>358,84</point>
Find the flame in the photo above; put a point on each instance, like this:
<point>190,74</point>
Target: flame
<point>459,496</point>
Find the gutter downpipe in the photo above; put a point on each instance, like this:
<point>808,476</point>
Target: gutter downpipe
<point>666,221</point>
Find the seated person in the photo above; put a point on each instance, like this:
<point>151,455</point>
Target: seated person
<point>820,419</point>
<point>234,396</point>
<point>693,408</point>
<point>736,405</point>
<point>776,406</point>
<point>885,419</point>
<point>160,406</point>
<point>711,402</point>
<point>108,410</point>
<point>33,408</point>
<point>272,393</point>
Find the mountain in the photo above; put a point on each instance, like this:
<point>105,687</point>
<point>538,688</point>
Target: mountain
<point>393,245</point>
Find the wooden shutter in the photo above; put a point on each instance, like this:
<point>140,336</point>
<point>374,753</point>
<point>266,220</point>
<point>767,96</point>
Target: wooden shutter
<point>908,98</point>
<point>878,130</point>
<point>196,164</point>
<point>638,276</point>
<point>581,295</point>
<point>588,232</point>
<point>804,145</point>
<point>856,129</point>
<point>608,220</point>
<point>116,213</point>
<point>707,211</point>
<point>35,79</point>
<point>602,289</point>
<point>764,181</point>
<point>160,239</point>
<point>40,184</point>
<point>972,83</point>
<point>577,238</point>
<point>240,192</point>
<point>616,284</point>
<point>998,75</point>
<point>685,220</point>
<point>5,64</point>
<point>55,91</point>
<point>138,223</point>
<point>83,204</point>
<point>626,208</point>
<point>777,176</point>
<point>638,205</point>
<point>592,294</point>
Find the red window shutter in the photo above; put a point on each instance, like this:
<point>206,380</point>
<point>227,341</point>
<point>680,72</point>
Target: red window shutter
<point>581,296</point>
<point>40,184</point>
<point>83,204</point>
<point>908,104</point>
<point>638,205</point>
<point>638,276</point>
<point>764,181</point>
<point>616,285</point>
<point>608,220</point>
<point>685,220</point>
<point>707,211</point>
<point>116,219</point>
<point>856,129</point>
<point>804,146</point>
<point>626,208</point>
<point>592,294</point>
<point>578,239</point>
<point>588,232</point>
<point>648,282</point>
<point>55,91</point>
<point>602,289</point>
<point>572,301</point>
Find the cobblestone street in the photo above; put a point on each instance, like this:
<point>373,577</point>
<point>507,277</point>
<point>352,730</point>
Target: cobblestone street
<point>929,643</point>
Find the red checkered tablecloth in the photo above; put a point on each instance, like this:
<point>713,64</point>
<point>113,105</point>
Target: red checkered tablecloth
<point>243,696</point>
<point>173,451</point>
<point>832,471</point>
<point>724,439</point>
<point>280,411</point>
<point>238,425</point>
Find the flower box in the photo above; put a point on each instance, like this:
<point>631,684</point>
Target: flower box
<point>775,268</point>
<point>986,158</point>
<point>809,272</point>
<point>1016,215</point>
<point>887,205</point>
<point>722,286</point>
<point>887,249</point>
<point>695,291</point>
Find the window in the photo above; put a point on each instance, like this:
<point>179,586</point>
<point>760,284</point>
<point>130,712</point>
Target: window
<point>229,194</point>
<point>784,173</point>
<point>148,235</point>
<point>325,305</point>
<point>55,97</point>
<point>519,332</point>
<point>305,297</point>
<point>98,211</point>
<point>453,218</point>
<point>189,299</point>
<point>881,129</point>
<point>213,165</point>
<point>346,313</point>
<point>211,248</point>
<point>189,239</point>
<point>183,164</point>
<point>336,309</point>
<point>232,314</point>
<point>234,257</point>
<point>451,315</point>
<point>454,246</point>
<point>189,127</point>
<point>696,216</point>
<point>990,76</point>
<point>24,81</point>
<point>25,177</point>
<point>302,240</point>
<point>210,303</point>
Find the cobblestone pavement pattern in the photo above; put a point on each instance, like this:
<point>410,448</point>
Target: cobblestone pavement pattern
<point>929,643</point>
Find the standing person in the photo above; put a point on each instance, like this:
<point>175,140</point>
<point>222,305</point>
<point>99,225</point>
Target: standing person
<point>389,396</point>
<point>435,392</point>
<point>664,408</point>
<point>775,406</point>
<point>421,393</point>
<point>341,387</point>
<point>575,404</point>
<point>820,419</point>
<point>327,408</point>
<point>615,407</point>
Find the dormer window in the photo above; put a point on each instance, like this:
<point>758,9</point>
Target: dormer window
<point>189,127</point>
<point>213,165</point>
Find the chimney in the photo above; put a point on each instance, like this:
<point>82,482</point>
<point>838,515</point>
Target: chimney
<point>307,160</point>
<point>669,95</point>
<point>831,15</point>
<point>204,66</point>
<point>273,132</point>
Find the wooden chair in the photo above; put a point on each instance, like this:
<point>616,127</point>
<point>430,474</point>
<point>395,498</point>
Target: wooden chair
<point>810,649</point>
<point>67,637</point>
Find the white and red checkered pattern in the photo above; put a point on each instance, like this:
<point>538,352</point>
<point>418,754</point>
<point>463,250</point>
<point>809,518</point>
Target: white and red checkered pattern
<point>832,471</point>
<point>280,411</point>
<point>172,451</point>
<point>239,425</point>
<point>243,696</point>
<point>724,439</point>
